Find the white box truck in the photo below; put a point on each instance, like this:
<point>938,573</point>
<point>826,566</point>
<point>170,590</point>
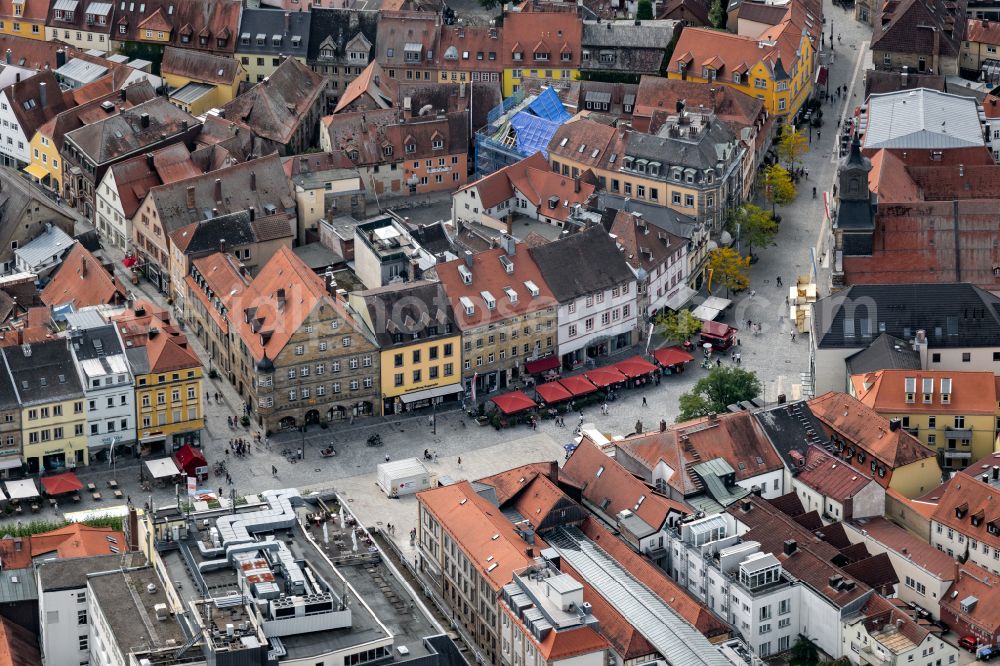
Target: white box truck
<point>403,477</point>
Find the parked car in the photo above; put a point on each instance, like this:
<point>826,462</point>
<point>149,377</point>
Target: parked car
<point>987,652</point>
<point>969,643</point>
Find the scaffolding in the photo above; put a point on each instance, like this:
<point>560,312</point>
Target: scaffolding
<point>517,128</point>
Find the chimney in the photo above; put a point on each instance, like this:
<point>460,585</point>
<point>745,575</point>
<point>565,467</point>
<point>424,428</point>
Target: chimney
<point>121,94</point>
<point>468,259</point>
<point>996,472</point>
<point>895,424</point>
<point>790,546</point>
<point>288,22</point>
<point>153,332</point>
<point>509,244</point>
<point>60,58</point>
<point>576,185</point>
<point>149,160</point>
<point>17,77</point>
<point>43,95</point>
<point>83,266</point>
<point>986,478</point>
<point>190,196</point>
<point>218,190</point>
<point>280,296</point>
<point>222,245</point>
<point>253,181</point>
<point>144,120</point>
<point>253,213</point>
<point>680,106</point>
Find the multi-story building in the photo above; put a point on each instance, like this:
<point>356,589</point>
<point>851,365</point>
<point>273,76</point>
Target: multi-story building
<point>300,356</point>
<point>419,344</point>
<point>108,388</point>
<point>84,25</point>
<point>887,634</point>
<point>692,164</point>
<point>11,459</point>
<point>953,413</point>
<point>982,37</point>
<point>47,143</point>
<point>149,27</point>
<point>341,44</point>
<point>541,41</point>
<point>26,104</point>
<point>269,35</point>
<point>88,152</point>
<point>868,442</point>
<point>660,264</point>
<point>470,53</point>
<point>294,95</point>
<point>82,281</point>
<point>407,44</point>
<point>168,375</point>
<point>385,251</point>
<point>52,416</point>
<point>26,214</point>
<point>257,187</point>
<point>505,311</point>
<point>598,313</point>
<point>198,81</point>
<point>627,47</point>
<point>944,326</point>
<point>965,524</point>
<point>925,573</point>
<point>925,37</point>
<point>325,185</point>
<point>211,281</point>
<point>24,18</point>
<point>970,605</point>
<point>399,155</point>
<point>774,63</point>
<point>835,491</point>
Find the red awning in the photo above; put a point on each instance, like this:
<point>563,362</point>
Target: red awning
<point>716,329</point>
<point>672,356</point>
<point>189,459</point>
<point>541,365</point>
<point>577,385</point>
<point>61,483</point>
<point>602,377</point>
<point>553,392</point>
<point>821,74</point>
<point>129,262</point>
<point>635,367</point>
<point>513,403</point>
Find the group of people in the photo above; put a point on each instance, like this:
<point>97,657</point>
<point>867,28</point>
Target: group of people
<point>240,447</point>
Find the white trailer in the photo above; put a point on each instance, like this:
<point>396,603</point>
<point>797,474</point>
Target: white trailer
<point>403,477</point>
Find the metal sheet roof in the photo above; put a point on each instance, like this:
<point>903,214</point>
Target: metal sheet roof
<point>81,71</point>
<point>66,5</point>
<point>43,247</point>
<point>679,642</point>
<point>99,8</point>
<point>922,118</point>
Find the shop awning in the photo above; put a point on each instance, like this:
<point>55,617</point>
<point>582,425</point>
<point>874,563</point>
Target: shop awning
<point>36,171</point>
<point>553,392</point>
<point>672,356</point>
<point>635,367</point>
<point>24,489</point>
<point>162,468</point>
<point>680,298</point>
<point>541,365</point>
<point>189,459</point>
<point>821,75</point>
<point>513,402</point>
<point>577,385</point>
<point>427,394</point>
<point>711,308</point>
<point>61,483</point>
<point>602,377</point>
<point>11,463</point>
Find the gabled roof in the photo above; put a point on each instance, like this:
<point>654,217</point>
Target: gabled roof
<point>82,281</point>
<point>886,352</point>
<point>497,187</point>
<point>135,177</point>
<point>222,276</point>
<point>152,339</point>
<point>77,540</point>
<point>286,32</point>
<point>658,94</point>
<point>510,482</point>
<point>610,488</point>
<point>830,477</point>
<point>644,248</point>
<point>867,430</point>
<point>926,27</point>
<point>26,105</point>
<point>341,26</point>
<point>215,20</point>
<point>372,82</point>
<point>553,195</point>
<point>409,309</point>
<point>18,646</point>
<point>982,585</point>
<point>884,391</point>
<point>602,266</point>
<point>43,372</point>
<point>123,133</point>
<point>198,66</point>
<point>276,107</point>
<point>908,545</point>
<point>922,119</point>
<point>969,505</point>
<point>951,314</point>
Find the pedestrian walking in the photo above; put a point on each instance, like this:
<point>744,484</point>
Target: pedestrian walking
<point>604,409</point>
<point>819,135</point>
<point>718,362</point>
<point>792,334</point>
<point>387,457</point>
<point>460,461</point>
<point>644,403</point>
<point>778,280</point>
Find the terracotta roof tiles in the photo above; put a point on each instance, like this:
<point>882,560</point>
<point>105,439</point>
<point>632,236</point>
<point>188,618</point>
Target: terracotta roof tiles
<point>82,281</point>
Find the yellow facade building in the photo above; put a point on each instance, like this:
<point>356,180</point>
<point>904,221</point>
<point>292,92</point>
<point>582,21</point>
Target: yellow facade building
<point>419,344</point>
<point>776,65</point>
<point>200,81</point>
<point>46,163</point>
<point>168,380</point>
<point>24,18</point>
<point>540,41</point>
<point>955,413</point>
<point>48,388</point>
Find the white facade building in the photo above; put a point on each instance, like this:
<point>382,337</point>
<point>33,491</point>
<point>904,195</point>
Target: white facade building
<point>112,223</point>
<point>15,147</point>
<point>107,381</point>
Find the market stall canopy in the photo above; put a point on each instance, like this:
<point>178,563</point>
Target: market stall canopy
<point>577,385</point>
<point>541,365</point>
<point>513,402</point>
<point>634,367</point>
<point>25,489</point>
<point>61,484</point>
<point>672,356</point>
<point>716,329</point>
<point>602,377</point>
<point>711,308</point>
<point>162,468</point>
<point>553,392</point>
<point>190,459</point>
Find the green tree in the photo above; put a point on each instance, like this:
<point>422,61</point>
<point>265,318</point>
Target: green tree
<point>803,653</point>
<point>713,393</point>
<point>757,226</point>
<point>644,10</point>
<point>792,145</point>
<point>729,269</point>
<point>717,15</point>
<point>778,186</point>
<point>678,326</point>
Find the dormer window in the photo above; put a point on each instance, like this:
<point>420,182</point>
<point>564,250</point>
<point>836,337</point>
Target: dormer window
<point>910,388</point>
<point>946,390</point>
<point>203,40</point>
<point>437,143</point>
<point>518,55</point>
<point>275,40</point>
<point>737,78</point>
<point>387,151</point>
<point>961,510</point>
<point>541,56</point>
<point>245,39</point>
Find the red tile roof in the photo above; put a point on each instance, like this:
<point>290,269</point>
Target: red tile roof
<point>135,177</point>
<point>372,81</point>
<point>498,187</point>
<point>222,275</point>
<point>908,545</point>
<point>76,540</point>
<point>18,646</point>
<point>884,391</point>
<point>472,522</point>
<point>510,482</point>
<point>970,506</point>
<point>552,28</point>
<point>554,196</point>
<point>82,281</point>
<point>830,477</point>
<point>974,581</point>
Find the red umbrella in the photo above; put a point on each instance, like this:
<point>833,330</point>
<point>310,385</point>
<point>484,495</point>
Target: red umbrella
<point>61,484</point>
<point>672,356</point>
<point>513,402</point>
<point>553,392</point>
<point>577,385</point>
<point>602,377</point>
<point>635,367</point>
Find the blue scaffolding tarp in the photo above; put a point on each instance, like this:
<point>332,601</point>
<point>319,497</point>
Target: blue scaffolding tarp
<point>548,106</point>
<point>533,133</point>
